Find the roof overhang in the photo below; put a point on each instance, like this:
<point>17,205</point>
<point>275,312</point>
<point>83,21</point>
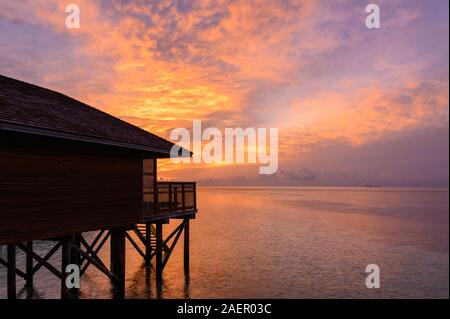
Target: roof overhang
<point>20,128</point>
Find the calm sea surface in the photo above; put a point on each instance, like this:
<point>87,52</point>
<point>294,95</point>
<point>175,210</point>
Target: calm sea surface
<point>291,243</point>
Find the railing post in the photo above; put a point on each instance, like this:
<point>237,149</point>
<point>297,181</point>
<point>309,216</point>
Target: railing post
<point>170,197</point>
<point>156,201</point>
<point>155,188</point>
<point>195,195</point>
<point>175,197</point>
<point>183,197</point>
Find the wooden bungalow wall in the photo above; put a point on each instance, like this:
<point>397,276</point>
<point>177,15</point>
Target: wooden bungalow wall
<point>49,190</point>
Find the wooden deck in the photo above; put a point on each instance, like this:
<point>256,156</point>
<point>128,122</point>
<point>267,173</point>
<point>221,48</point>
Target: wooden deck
<point>172,200</point>
<point>168,215</point>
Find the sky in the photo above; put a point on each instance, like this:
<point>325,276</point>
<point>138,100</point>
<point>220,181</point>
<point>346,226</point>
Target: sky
<point>353,106</point>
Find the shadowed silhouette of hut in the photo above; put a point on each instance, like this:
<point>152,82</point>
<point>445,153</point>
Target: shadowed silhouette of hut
<point>68,168</point>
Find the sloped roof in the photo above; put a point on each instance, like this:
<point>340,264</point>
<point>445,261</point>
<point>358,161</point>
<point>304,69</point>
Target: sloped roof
<point>32,109</point>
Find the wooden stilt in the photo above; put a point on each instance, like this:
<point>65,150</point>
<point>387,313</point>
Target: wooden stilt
<point>75,255</point>
<point>186,245</point>
<point>187,281</point>
<point>159,259</point>
<point>29,266</point>
<point>66,256</point>
<point>11,276</point>
<point>148,244</point>
<point>159,250</point>
<point>75,258</point>
<point>117,245</point>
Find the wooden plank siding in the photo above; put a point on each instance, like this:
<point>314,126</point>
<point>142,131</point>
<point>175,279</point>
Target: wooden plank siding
<point>66,167</point>
<point>51,192</point>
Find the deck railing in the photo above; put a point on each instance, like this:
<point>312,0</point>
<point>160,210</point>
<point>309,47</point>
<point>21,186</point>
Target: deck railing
<point>170,197</point>
<point>175,197</point>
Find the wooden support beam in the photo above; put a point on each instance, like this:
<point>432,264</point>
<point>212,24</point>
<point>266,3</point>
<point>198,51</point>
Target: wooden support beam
<point>11,271</point>
<point>159,251</point>
<point>75,255</point>
<point>175,232</point>
<point>66,259</point>
<point>91,252</point>
<point>94,260</point>
<point>75,258</point>
<point>96,250</point>
<point>29,266</point>
<point>97,238</point>
<point>3,262</point>
<point>139,235</point>
<point>165,243</point>
<point>178,231</point>
<point>186,245</point>
<point>135,245</point>
<point>18,271</point>
<point>46,257</point>
<point>44,262</point>
<point>117,245</point>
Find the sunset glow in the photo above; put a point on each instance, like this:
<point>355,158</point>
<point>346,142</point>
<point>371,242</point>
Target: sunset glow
<point>334,89</point>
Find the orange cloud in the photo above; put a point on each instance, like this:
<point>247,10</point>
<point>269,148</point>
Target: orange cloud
<point>307,67</point>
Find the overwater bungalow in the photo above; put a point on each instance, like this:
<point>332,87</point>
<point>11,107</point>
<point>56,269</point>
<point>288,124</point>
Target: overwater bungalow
<point>67,168</point>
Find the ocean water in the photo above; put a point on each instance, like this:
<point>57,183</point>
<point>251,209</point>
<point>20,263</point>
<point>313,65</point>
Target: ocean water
<point>291,243</point>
